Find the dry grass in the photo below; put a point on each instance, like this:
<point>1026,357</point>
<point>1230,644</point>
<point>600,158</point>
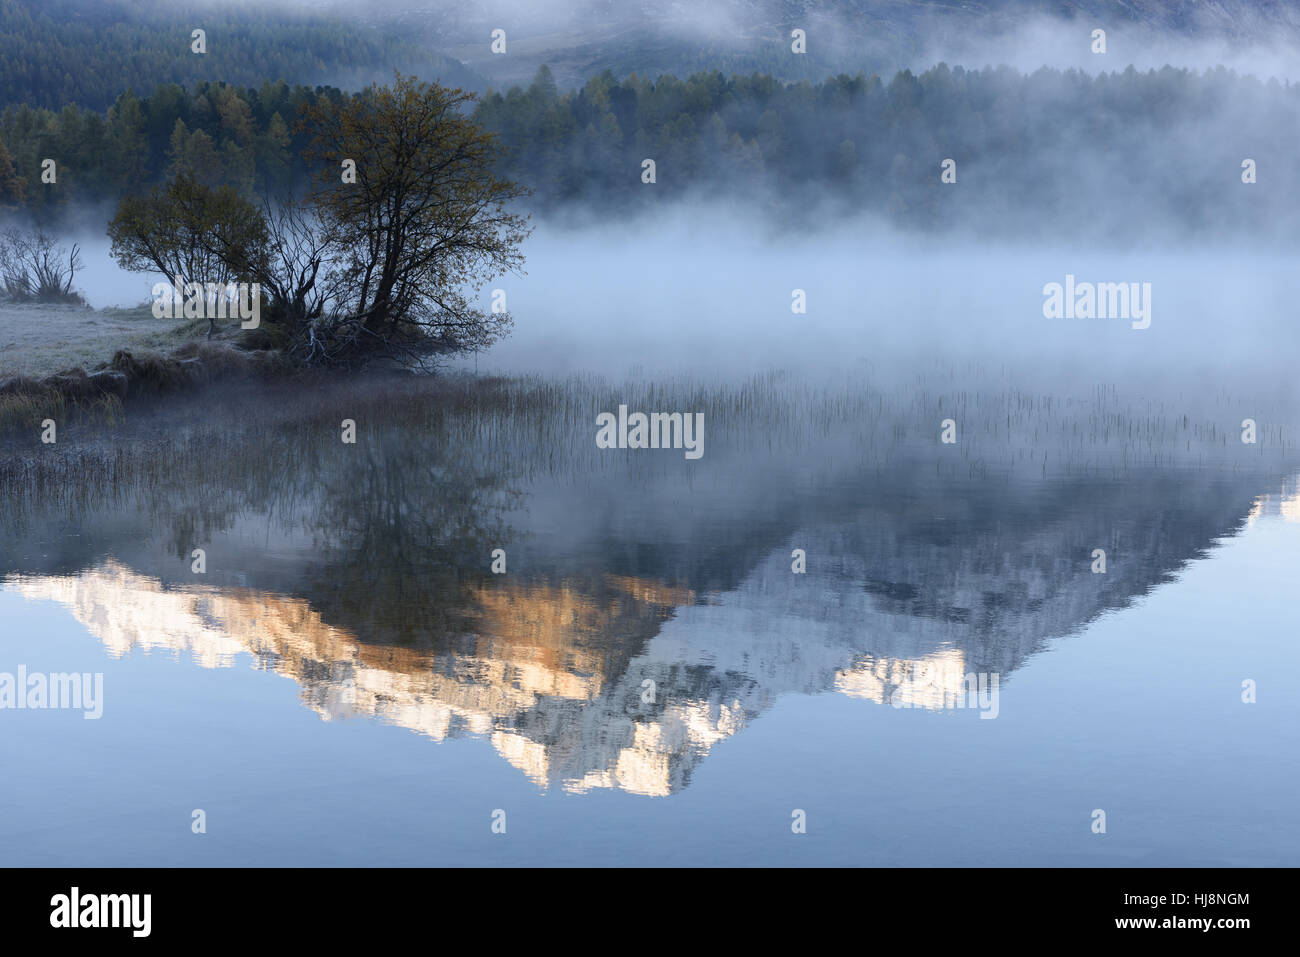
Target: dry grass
<point>193,364</point>
<point>27,410</point>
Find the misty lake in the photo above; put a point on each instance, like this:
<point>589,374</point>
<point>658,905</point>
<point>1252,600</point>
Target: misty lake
<point>758,657</point>
<point>746,433</point>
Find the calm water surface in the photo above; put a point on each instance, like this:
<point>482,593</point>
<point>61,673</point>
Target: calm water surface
<point>649,682</point>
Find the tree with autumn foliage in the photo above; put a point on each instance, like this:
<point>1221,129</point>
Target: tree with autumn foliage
<point>11,186</point>
<point>416,220</point>
<point>405,220</point>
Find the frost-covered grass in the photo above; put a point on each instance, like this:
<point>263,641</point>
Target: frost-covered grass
<point>40,340</point>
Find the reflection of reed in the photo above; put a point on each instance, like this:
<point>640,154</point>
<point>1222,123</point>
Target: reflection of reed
<point>554,671</point>
<point>266,447</point>
<point>368,564</point>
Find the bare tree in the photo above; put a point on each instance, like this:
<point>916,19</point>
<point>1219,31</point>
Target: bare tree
<point>294,272</point>
<point>34,267</point>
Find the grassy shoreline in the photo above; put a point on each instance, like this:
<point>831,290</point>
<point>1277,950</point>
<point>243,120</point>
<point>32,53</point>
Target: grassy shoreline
<point>67,362</point>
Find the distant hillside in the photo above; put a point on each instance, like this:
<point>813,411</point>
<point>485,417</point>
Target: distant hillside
<point>579,39</point>
<point>85,52</point>
<point>1121,156</point>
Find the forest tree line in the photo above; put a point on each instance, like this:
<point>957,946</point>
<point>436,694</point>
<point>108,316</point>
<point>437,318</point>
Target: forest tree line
<point>1027,147</point>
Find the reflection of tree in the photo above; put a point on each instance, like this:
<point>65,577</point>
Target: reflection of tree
<point>405,528</point>
<point>403,525</point>
<point>378,599</point>
<point>368,576</point>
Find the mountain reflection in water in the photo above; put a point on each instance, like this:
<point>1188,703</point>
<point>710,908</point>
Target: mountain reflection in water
<point>649,610</point>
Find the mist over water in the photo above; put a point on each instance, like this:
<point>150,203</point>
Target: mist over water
<point>916,482</point>
<point>706,293</point>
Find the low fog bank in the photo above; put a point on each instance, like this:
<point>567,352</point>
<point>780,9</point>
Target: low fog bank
<point>1255,49</point>
<point>704,292</point>
<point>580,38</point>
<point>1122,158</point>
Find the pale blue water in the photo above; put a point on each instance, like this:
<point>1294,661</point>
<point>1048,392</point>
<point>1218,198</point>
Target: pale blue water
<point>350,684</point>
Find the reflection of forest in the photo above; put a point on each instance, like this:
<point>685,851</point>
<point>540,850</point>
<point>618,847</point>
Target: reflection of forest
<point>368,584</point>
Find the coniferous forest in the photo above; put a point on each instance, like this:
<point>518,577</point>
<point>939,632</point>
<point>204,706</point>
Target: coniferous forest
<point>848,144</point>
